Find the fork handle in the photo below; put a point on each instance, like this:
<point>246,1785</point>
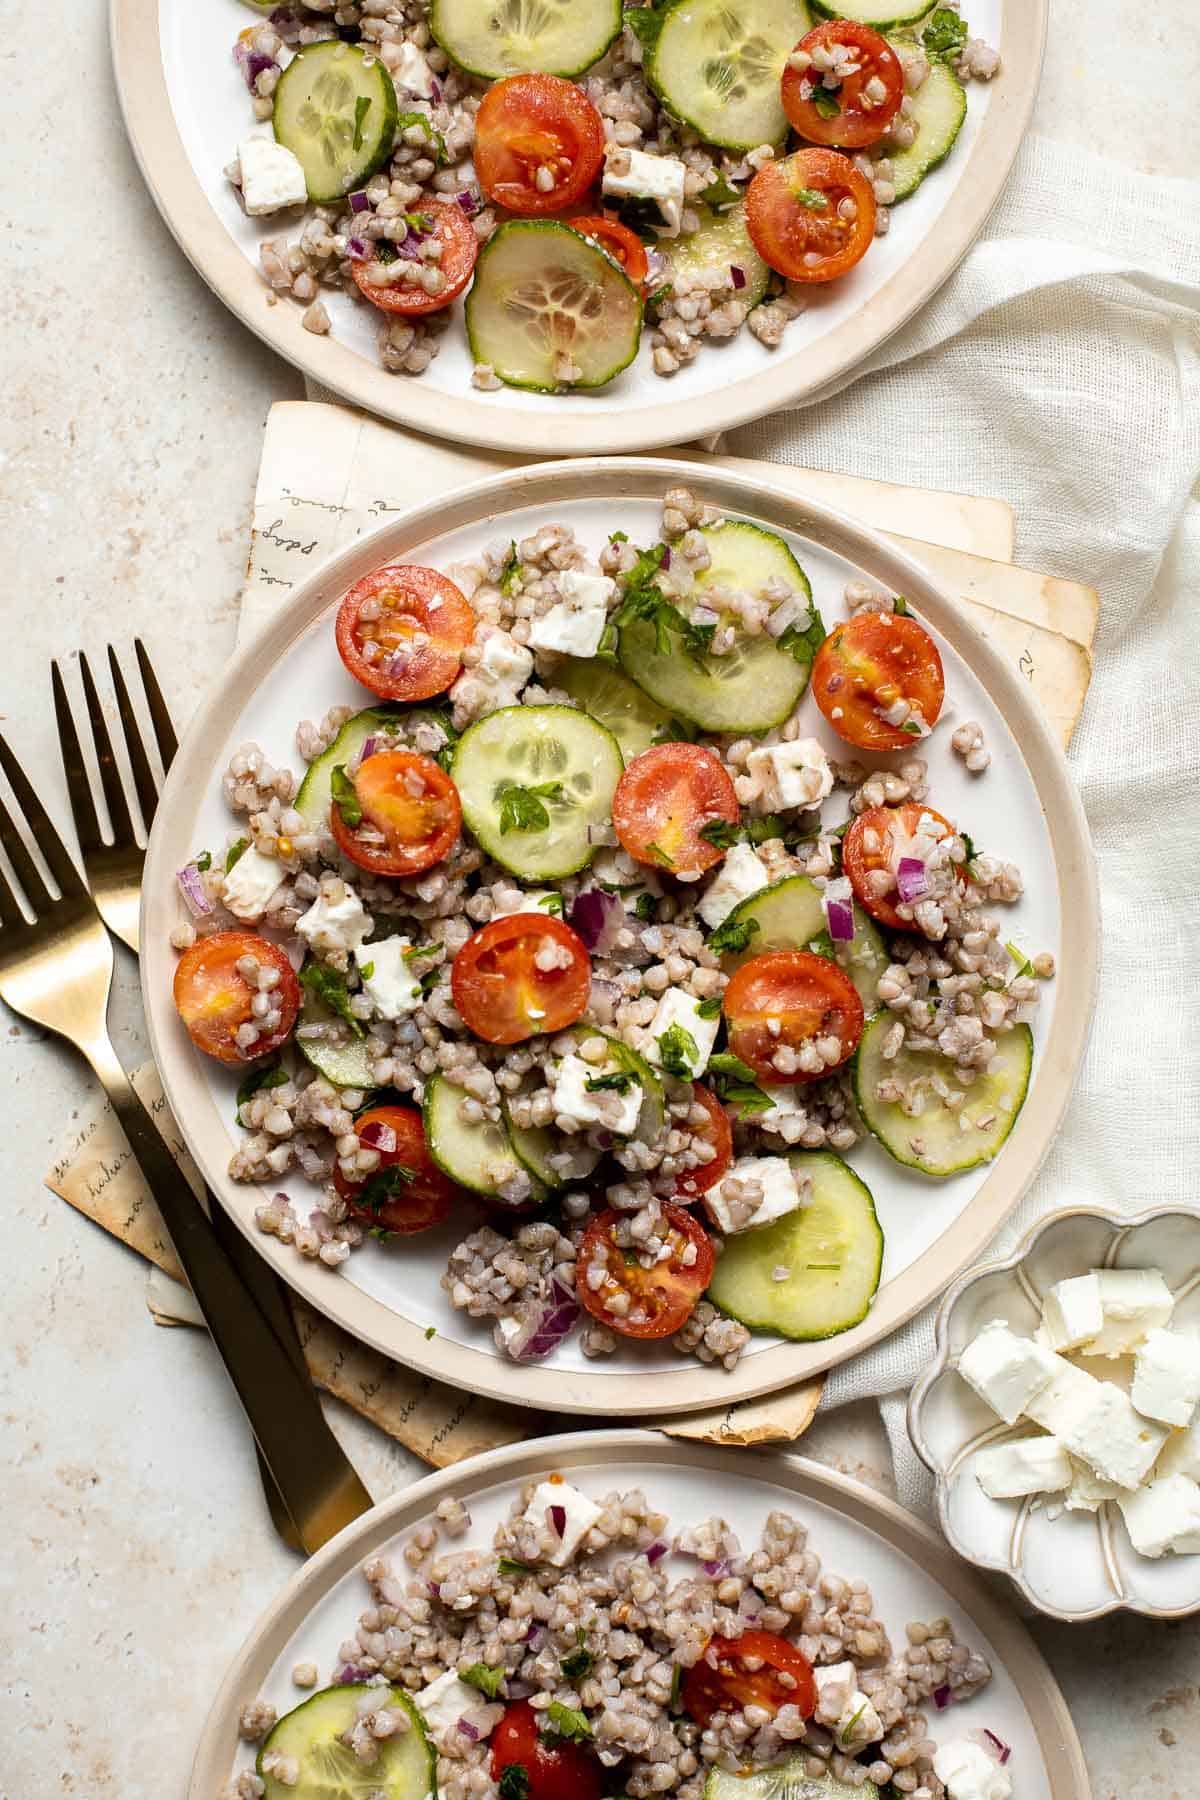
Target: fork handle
<point>319,1486</point>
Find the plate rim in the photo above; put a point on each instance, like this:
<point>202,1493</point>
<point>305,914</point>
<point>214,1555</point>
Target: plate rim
<point>689,1388</point>
<point>135,42</point>
<point>916,1542</point>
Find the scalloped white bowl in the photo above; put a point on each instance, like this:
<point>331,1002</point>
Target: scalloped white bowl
<point>1071,1565</point>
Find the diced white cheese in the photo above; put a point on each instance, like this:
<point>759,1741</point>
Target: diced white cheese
<point>647,177</point>
<point>532,900</point>
<point>676,1008</point>
<point>504,659</point>
<point>411,71</point>
<point>740,875</point>
<point>271,177</point>
<point>834,1683</point>
<point>969,1773</point>
<point>1134,1302</point>
<point>1164,1515</point>
<point>568,631</point>
<point>615,1111</point>
<point>859,1724</point>
<point>387,980</point>
<point>580,1515</point>
<point>780,1194</point>
<point>250,884</point>
<point>1005,1370</point>
<point>1108,1435</point>
<point>1087,1492</point>
<point>334,924</point>
<point>443,1703</point>
<point>1037,1465</point>
<point>1065,1397</point>
<point>586,592</point>
<point>790,775</point>
<point>1072,1313</point>
<point>1166,1376</point>
<point>1180,1455</point>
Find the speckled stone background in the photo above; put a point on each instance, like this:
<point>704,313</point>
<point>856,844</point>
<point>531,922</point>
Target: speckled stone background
<point>136,1550</point>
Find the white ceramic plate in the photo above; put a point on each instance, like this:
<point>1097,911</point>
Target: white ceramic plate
<point>853,1531</point>
<point>1024,807</point>
<point>1072,1565</point>
<point>186,110</point>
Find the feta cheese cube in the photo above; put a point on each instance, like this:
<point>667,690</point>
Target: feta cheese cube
<point>585,593</point>
<point>501,657</point>
<point>444,1702</point>
<point>532,900</point>
<point>787,1115</point>
<point>835,1683</point>
<point>1065,1397</point>
<point>387,981</point>
<point>1087,1492</point>
<point>568,631</point>
<point>1036,1465</point>
<point>780,1193</point>
<point>616,1111</point>
<point>250,884</point>
<point>271,177</point>
<point>740,875</point>
<point>1005,1370</point>
<point>1180,1455</point>
<point>969,1773</point>
<point>1164,1515</point>
<point>1108,1435</point>
<point>577,1517</point>
<point>790,775</point>
<point>1072,1313</point>
<point>859,1724</point>
<point>1166,1376</point>
<point>1134,1302</point>
<point>412,71</point>
<point>638,175</point>
<point>334,921</point>
<point>679,1009</point>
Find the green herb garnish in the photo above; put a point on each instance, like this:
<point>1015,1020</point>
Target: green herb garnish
<point>386,1184</point>
<point>580,1661</point>
<point>733,934</point>
<point>488,1681</point>
<point>235,853</point>
<point>366,970</point>
<point>514,1782</point>
<point>362,107</point>
<point>660,855</point>
<point>204,861</point>
<point>736,1084</point>
<point>509,1565</point>
<point>329,987</point>
<point>826,103</point>
<point>551,903</point>
<point>510,574</point>
<point>646,908</point>
<point>676,1688</point>
<point>709,1009</point>
<point>719,194</point>
<point>803,641</point>
<point>618,537</point>
<point>271,1075</point>
<point>618,1082</point>
<point>900,605</point>
<point>944,36</point>
<point>345,796</point>
<point>812,198</point>
<point>678,1052</point>
<point>567,1722</point>
<point>652,303</point>
<point>521,808</point>
<point>430,1332</point>
<point>419,119</point>
<point>721,833</point>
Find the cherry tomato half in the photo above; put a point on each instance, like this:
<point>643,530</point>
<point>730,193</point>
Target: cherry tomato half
<point>502,992</point>
<point>213,997</point>
<point>722,1682</point>
<point>383,283</point>
<point>875,843</point>
<point>408,1192</point>
<point>638,1302</point>
<point>869,663</point>
<point>855,112</point>
<point>539,143</point>
<point>558,1770</point>
<point>787,1000</point>
<point>411,815</point>
<point>623,245</point>
<point>402,629</point>
<point>664,801</point>
<point>716,1132</point>
<point>811,215</point>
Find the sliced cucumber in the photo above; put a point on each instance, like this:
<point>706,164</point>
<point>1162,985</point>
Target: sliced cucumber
<point>336,111</point>
<point>654,1107</point>
<point>543,293</point>
<point>342,1060</point>
<point>784,1781</point>
<point>618,703</point>
<point>315,796</point>
<point>403,1769</point>
<point>538,747</point>
<point>721,242</point>
<point>476,1154</point>
<point>718,67</point>
<point>832,1249</point>
<point>882,14</point>
<point>747,557</point>
<point>939,107</point>
<point>513,37</point>
<point>535,1144</point>
<point>789,916</point>
<point>939,1141</point>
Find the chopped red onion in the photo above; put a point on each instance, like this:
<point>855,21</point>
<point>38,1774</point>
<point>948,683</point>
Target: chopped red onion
<point>666,561</point>
<point>532,1631</point>
<point>942,1697</point>
<point>738,276</point>
<point>251,62</point>
<point>550,1330</point>
<point>435,92</point>
<point>433,1588</point>
<point>396,663</point>
<point>656,268</point>
<point>656,1552</point>
<point>558,1518</point>
<point>377,1134</point>
<point>359,201</point>
<point>370,746</point>
<point>597,917</point>
<point>987,1740</point>
<point>359,250</point>
<point>350,1675</point>
<point>468,1730</point>
<point>192,889</point>
<point>468,202</point>
<point>912,879</point>
<point>839,915</point>
<point>715,1569</point>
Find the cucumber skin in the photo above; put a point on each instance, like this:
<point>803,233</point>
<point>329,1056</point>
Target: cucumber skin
<point>865,1105</point>
<point>387,139</point>
<point>633,734</point>
<point>758,276</point>
<point>909,160</point>
<point>651,71</point>
<point>572,74</point>
<point>437,1084</point>
<point>313,1013</point>
<point>314,796</point>
<point>635,650</point>
<point>275,1790</point>
<point>804,890</point>
<point>895,12</point>
<point>719,1786</point>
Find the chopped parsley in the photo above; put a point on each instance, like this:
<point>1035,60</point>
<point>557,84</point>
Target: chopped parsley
<point>345,796</point>
<point>721,833</point>
<point>848,1727</point>
<point>642,217</point>
<point>445,756</point>
<point>386,1184</point>
<point>521,808</point>
<point>580,1661</point>
<point>204,861</point>
<point>912,728</point>
<point>660,855</point>
<point>551,903</point>
<point>618,537</point>
<point>362,107</point>
<point>710,1008</point>
<point>235,853</point>
<point>900,605</point>
<point>646,23</point>
<point>652,303</point>
<point>488,1681</point>
<point>812,198</point>
<point>644,599</point>
<point>409,119</point>
<point>366,970</point>
<point>736,1085</point>
<point>568,1722</point>
<point>386,252</point>
<point>271,1075</point>
<point>646,908</point>
<point>1024,966</point>
<point>676,1687</point>
<point>821,945</point>
<point>510,574</point>
<point>415,951</point>
<point>719,193</point>
<point>430,1332</point>
<point>944,36</point>
<point>803,641</point>
<point>733,934</point>
<point>618,1082</point>
<point>826,103</point>
<point>430,979</point>
<point>514,1782</point>
<point>329,987</point>
<point>678,1052</point>
<point>509,1565</point>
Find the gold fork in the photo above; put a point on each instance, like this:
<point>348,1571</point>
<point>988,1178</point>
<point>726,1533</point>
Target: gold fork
<point>56,970</point>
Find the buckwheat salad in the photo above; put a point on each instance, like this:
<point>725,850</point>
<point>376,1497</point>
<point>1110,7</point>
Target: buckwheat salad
<point>577,939</point>
<point>594,1650</point>
<point>591,172</point>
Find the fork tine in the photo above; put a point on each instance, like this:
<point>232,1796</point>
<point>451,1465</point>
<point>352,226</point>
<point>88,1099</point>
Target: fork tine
<point>11,916</point>
<point>79,788</point>
<point>139,762</point>
<point>36,891</point>
<point>110,774</point>
<point>48,841</point>
<point>160,717</point>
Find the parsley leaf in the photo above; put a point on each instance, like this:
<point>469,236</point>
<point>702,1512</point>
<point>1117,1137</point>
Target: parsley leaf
<point>509,1565</point>
<point>551,903</point>
<point>618,537</point>
<point>719,193</point>
<point>676,1688</point>
<point>734,934</point>
<point>510,574</point>
<point>384,1185</point>
<point>912,728</point>
<point>366,970</point>
<point>646,23</point>
<point>827,104</point>
<point>521,808</point>
<point>204,861</point>
<point>409,119</point>
<point>646,908</point>
<point>329,987</point>
<point>362,107</point>
<point>235,853</point>
<point>487,1680</point>
<point>812,198</point>
<point>652,303</point>
<point>580,1662</point>
<point>445,756</point>
<point>345,796</point>
<point>803,641</point>
<point>660,855</point>
<point>678,1052</point>
<point>568,1722</point>
<point>848,1727</point>
<point>721,833</point>
<point>944,36</point>
<point>1024,966</point>
<point>385,252</point>
<point>821,945</point>
<point>969,847</point>
<point>619,1082</point>
<point>709,1009</point>
<point>415,951</point>
<point>271,1075</point>
<point>725,1063</point>
<point>514,1782</point>
<point>430,979</point>
<point>430,1332</point>
<point>736,1084</point>
<point>642,217</point>
<point>900,605</point>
